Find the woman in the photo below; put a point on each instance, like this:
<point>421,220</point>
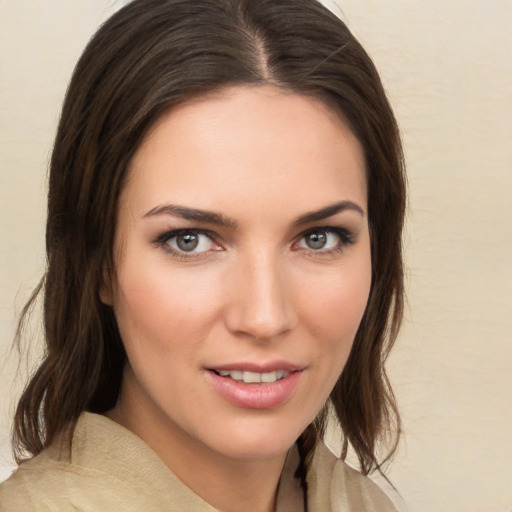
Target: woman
<point>225,208</point>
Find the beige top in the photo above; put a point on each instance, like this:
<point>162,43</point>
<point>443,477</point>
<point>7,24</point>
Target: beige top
<point>110,469</point>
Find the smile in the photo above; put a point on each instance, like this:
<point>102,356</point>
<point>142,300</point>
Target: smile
<point>254,377</point>
<point>255,389</point>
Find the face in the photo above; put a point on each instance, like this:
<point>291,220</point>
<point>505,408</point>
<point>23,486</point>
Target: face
<point>243,270</point>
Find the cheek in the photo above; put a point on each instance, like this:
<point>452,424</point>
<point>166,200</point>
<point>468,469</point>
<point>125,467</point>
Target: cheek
<point>155,305</point>
<point>335,306</point>
<point>332,311</point>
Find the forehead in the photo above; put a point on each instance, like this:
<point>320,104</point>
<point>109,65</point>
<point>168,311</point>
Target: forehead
<point>246,145</point>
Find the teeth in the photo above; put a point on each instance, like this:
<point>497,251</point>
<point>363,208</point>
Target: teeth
<point>268,377</point>
<point>251,377</point>
<point>236,375</point>
<point>254,377</point>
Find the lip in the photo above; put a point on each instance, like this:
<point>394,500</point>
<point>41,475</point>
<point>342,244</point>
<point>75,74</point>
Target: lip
<point>255,395</point>
<point>248,366</point>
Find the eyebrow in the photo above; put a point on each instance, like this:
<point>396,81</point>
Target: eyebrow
<point>192,214</point>
<point>210,217</point>
<point>328,211</point>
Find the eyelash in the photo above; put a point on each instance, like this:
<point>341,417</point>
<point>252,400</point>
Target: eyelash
<point>345,239</point>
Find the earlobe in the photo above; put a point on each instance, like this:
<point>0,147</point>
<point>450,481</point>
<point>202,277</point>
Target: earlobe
<point>105,291</point>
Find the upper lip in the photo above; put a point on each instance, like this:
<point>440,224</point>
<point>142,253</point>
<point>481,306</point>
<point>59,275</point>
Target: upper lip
<point>246,366</point>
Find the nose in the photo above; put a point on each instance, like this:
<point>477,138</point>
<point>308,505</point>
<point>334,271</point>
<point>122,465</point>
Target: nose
<point>260,305</point>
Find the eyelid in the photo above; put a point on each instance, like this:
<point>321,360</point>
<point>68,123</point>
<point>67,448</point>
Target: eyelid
<point>342,231</point>
<point>172,233</point>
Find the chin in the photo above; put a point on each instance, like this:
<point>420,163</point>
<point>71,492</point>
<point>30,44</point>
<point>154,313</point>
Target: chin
<point>256,439</point>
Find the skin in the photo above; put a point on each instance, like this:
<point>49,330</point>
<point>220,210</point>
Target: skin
<point>254,290</point>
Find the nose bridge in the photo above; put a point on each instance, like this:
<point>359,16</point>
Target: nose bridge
<point>261,305</point>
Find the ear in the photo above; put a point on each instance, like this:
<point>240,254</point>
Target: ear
<point>105,291</point>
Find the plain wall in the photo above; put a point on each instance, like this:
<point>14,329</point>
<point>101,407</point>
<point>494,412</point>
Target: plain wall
<point>447,68</point>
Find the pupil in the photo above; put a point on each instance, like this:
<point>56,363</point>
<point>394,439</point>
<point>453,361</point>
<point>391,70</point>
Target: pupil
<point>316,240</point>
<point>187,242</point>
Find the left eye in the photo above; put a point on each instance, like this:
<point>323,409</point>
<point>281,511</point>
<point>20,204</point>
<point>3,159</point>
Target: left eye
<point>189,242</point>
<point>321,240</point>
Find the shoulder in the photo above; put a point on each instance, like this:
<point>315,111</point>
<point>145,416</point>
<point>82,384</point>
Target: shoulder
<point>31,486</point>
<point>334,485</point>
<point>34,482</point>
<point>104,467</point>
<point>46,483</point>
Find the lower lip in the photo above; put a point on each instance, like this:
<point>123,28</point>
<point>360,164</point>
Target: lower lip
<point>254,395</point>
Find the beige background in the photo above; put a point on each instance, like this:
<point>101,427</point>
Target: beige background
<point>447,66</point>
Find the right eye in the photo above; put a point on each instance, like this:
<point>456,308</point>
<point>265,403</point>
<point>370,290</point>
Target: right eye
<point>187,243</point>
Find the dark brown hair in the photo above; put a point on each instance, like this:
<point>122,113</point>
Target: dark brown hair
<point>149,56</point>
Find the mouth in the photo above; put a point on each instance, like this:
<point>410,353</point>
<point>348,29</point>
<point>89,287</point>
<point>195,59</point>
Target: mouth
<point>250,377</point>
<point>253,386</point>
